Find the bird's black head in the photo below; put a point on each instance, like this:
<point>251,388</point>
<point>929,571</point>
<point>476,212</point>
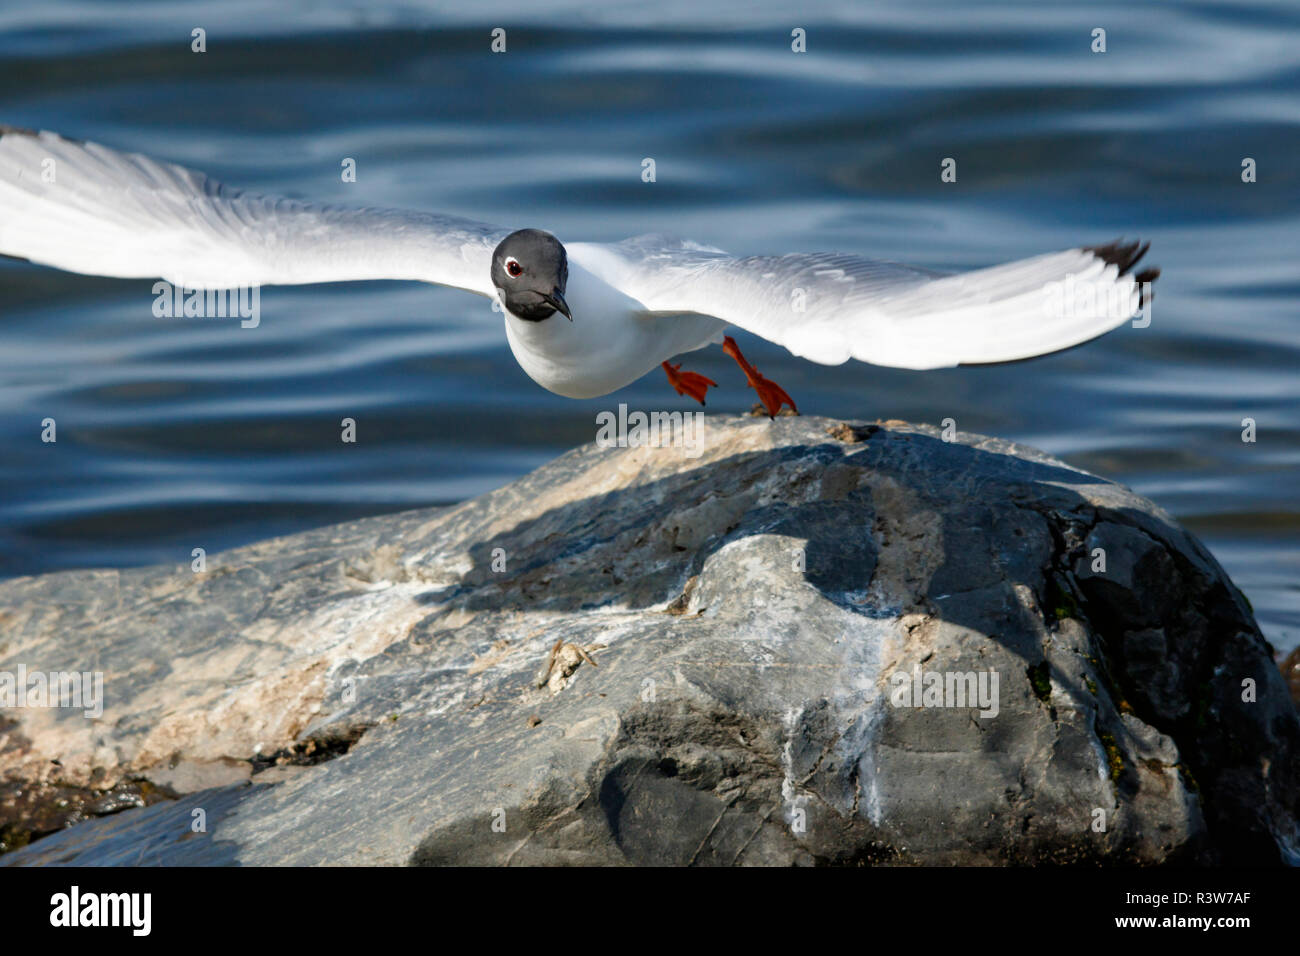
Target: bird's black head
<point>530,269</point>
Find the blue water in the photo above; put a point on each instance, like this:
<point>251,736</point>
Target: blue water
<point>179,434</point>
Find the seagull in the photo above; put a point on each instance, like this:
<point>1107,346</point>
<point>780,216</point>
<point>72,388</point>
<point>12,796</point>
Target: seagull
<point>583,319</point>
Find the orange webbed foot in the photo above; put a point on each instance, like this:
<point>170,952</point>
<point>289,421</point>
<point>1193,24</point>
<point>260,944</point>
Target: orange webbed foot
<point>688,383</point>
<point>772,395</point>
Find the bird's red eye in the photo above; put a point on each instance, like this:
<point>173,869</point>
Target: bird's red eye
<point>514,268</point>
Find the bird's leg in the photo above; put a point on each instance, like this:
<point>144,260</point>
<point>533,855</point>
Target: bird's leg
<point>688,383</point>
<point>772,395</point>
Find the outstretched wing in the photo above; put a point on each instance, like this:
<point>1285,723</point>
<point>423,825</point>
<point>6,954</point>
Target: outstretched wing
<point>85,208</point>
<point>829,308</point>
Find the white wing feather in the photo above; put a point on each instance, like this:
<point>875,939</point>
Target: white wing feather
<point>86,208</point>
<point>829,308</point>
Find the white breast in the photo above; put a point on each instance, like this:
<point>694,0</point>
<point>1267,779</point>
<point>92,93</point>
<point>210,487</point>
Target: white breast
<point>611,341</point>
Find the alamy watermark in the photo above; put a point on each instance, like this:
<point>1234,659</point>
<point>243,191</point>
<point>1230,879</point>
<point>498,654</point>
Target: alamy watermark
<point>1073,298</point>
<point>955,689</point>
<point>80,690</point>
<point>684,430</point>
<point>181,302</point>
<point>133,911</point>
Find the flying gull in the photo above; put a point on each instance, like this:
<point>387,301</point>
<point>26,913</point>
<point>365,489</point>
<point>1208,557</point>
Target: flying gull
<point>583,319</point>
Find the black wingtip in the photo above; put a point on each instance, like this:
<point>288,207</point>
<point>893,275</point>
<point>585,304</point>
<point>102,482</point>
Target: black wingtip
<point>1126,255</point>
<point>1120,253</point>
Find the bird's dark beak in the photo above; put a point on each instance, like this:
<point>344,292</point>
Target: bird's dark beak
<point>556,301</point>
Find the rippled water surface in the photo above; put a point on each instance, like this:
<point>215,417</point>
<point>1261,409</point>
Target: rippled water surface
<point>184,433</point>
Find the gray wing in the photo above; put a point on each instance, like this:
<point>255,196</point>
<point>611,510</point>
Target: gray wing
<point>86,208</point>
<point>828,307</point>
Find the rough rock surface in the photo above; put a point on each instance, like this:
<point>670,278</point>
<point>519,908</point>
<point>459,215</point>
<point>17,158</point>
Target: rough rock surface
<point>377,692</point>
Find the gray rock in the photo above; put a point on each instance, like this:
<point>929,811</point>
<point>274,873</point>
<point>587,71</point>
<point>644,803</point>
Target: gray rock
<point>635,656</point>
